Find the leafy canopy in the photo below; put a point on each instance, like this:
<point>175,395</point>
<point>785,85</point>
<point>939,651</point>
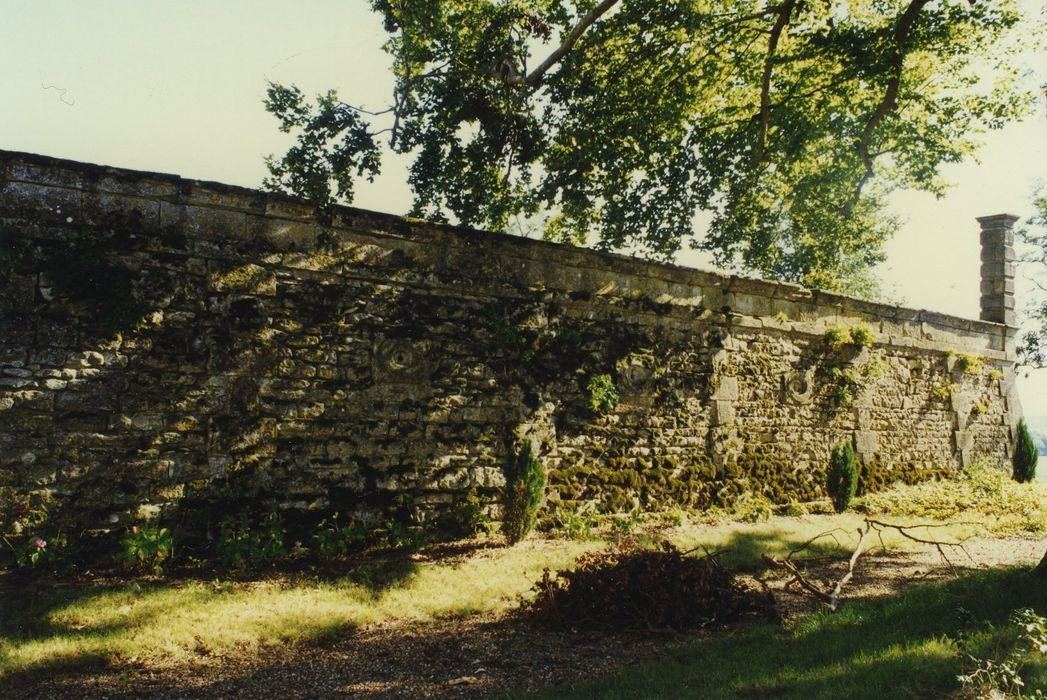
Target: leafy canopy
<point>617,122</point>
<point>1033,349</point>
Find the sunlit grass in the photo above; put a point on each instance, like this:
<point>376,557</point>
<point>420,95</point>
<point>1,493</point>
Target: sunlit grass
<point>162,624</point>
<point>194,621</point>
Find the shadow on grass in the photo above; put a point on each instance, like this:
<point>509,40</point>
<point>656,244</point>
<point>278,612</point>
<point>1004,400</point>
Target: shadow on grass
<point>904,646</point>
<point>87,623</point>
<point>744,550</point>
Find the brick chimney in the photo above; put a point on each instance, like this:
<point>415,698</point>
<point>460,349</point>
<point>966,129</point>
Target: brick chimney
<point>998,268</point>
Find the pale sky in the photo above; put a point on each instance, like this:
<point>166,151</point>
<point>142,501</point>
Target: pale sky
<point>177,87</point>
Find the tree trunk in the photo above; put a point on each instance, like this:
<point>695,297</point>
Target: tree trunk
<point>1041,568</point>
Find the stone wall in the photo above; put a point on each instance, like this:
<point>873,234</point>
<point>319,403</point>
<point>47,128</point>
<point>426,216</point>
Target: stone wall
<point>167,343</point>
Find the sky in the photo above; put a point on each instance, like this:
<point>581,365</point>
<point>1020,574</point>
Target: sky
<point>177,86</point>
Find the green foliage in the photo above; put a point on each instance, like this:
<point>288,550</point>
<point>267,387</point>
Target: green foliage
<point>969,364</point>
<point>51,554</point>
<point>467,517</point>
<point>396,533</point>
<point>1023,638</point>
<point>243,543</point>
<point>787,122</point>
<point>333,538</point>
<point>752,508</point>
<point>842,477</point>
<point>1032,350</point>
<point>524,487</point>
<point>317,160</point>
<point>509,336</point>
<point>623,526</point>
<point>856,336</point>
<point>942,390</point>
<point>575,524</point>
<point>1025,455</point>
<point>146,547</point>
<point>845,384</point>
<point>603,394</point>
<point>979,493</point>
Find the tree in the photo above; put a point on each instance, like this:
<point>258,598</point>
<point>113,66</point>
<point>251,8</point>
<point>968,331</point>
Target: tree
<point>617,121</point>
<point>1033,348</point>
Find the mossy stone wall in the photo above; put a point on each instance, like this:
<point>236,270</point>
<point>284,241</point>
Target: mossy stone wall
<point>221,346</point>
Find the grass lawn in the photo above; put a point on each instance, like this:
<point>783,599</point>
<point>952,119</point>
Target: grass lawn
<point>170,622</point>
<point>905,646</point>
<point>899,646</point>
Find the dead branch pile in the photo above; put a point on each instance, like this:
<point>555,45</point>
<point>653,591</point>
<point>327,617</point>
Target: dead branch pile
<point>628,587</point>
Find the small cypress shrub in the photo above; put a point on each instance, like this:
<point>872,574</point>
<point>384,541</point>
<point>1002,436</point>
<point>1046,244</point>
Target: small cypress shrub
<point>843,476</point>
<point>524,484</point>
<point>1025,455</point>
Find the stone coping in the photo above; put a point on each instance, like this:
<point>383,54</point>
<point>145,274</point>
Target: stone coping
<point>48,171</point>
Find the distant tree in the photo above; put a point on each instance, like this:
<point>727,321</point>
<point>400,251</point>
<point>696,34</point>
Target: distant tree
<point>1032,350</point>
<point>615,122</point>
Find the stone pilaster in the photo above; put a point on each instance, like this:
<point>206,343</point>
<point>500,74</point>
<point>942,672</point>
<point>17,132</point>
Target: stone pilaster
<point>997,238</point>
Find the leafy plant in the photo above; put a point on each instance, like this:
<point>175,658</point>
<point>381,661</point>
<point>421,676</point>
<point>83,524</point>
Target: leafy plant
<point>624,525</point>
<point>1024,636</point>
<point>509,336</point>
<point>467,517</point>
<point>575,524</point>
<point>1025,455</point>
<point>399,534</point>
<point>524,486</point>
<point>862,336</point>
<point>146,547</point>
<point>603,394</point>
<point>969,364</point>
<point>846,383</point>
<point>45,554</point>
<point>335,539</point>
<point>842,479</point>
<point>942,390</point>
<point>856,336</point>
<point>752,508</point>
<point>241,543</point>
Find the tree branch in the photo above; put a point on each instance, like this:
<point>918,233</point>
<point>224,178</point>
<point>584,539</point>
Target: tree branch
<point>768,66</point>
<point>534,77</point>
<point>889,101</point>
<point>832,598</point>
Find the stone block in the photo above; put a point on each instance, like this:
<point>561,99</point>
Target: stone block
<point>204,223</point>
<point>102,208</point>
<point>284,235</point>
<point>40,203</point>
<point>726,389</point>
<point>723,413</point>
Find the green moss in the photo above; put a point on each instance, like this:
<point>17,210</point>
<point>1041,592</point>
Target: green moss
<point>875,476</point>
<point>969,364</point>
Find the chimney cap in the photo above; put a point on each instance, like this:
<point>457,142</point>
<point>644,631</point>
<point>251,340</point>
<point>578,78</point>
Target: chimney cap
<point>1004,219</point>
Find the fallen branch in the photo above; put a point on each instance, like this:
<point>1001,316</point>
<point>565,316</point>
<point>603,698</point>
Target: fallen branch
<point>832,597</point>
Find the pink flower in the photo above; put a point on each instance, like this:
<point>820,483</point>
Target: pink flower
<point>39,543</point>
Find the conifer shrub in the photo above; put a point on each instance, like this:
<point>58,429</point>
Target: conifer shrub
<point>1025,455</point>
<point>843,476</point>
<point>524,485</point>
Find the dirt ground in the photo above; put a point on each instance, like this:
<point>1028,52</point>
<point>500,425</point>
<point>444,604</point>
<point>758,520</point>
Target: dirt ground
<point>484,655</point>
